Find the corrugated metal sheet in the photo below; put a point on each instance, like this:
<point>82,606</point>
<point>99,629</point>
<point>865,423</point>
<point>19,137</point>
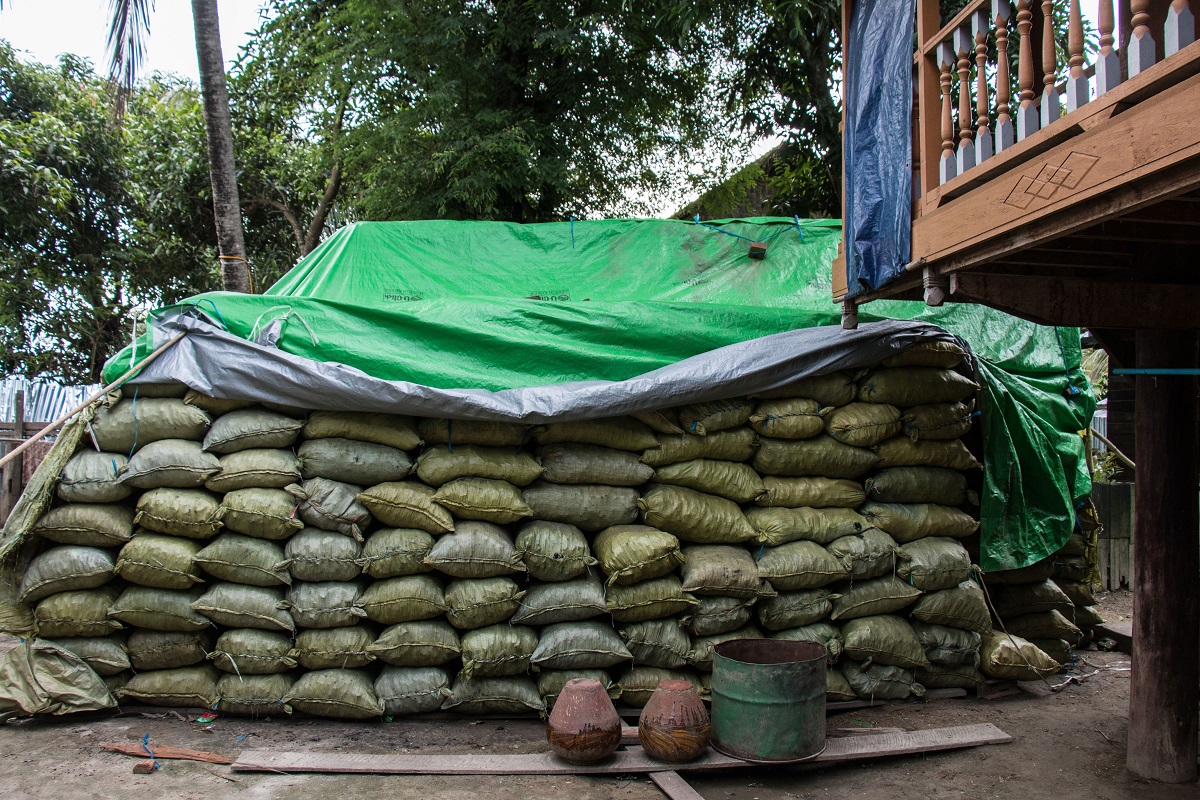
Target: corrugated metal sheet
<point>44,400</point>
<point>1100,425</point>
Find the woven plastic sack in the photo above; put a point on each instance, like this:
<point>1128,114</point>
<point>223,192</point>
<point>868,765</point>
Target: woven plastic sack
<point>468,431</point>
<point>703,648</point>
<point>870,554</point>
<point>265,469</point>
<point>821,456</point>
<point>497,650</point>
<point>658,643</point>
<point>631,554</point>
<point>794,418</point>
<point>879,596</point>
<point>332,506</point>
<point>937,421</point>
<point>264,513</point>
<point>251,428</point>
<point>483,499</point>
<point>1034,573</point>
<point>425,643</point>
<point>811,492</point>
<point>652,599</point>
<point>317,555</point>
<point>254,695</point>
<point>881,681</point>
<point>135,423</point>
<point>1088,616</point>
<point>659,420</point>
<point>863,424</point>
<point>945,355</point>
<point>494,696</point>
<point>106,655</point>
<point>589,507</point>
<point>1043,625</point>
<point>213,405</point>
<point>776,526</point>
<point>388,429</point>
<point>336,693</point>
<point>933,563</point>
<point>718,615</point>
<point>336,648</point>
<point>393,552</point>
<point>236,606</point>
<point>736,444</point>
<point>167,649</point>
<point>348,461</point>
<point>1058,649</point>
<point>250,651</point>
<point>91,477</point>
<point>66,568</point>
<point>579,645</point>
<point>1080,594</point>
<point>1009,657</point>
<point>694,516</point>
<point>800,565</point>
<point>404,599</point>
<point>720,570</point>
<point>939,676</point>
<point>794,609</point>
<point>619,433</point>
<point>550,682</point>
<point>411,690</point>
<point>185,687</point>
<point>441,464</point>
<point>1072,568</point>
<point>86,524</point>
<point>900,451</point>
<point>702,419</point>
<point>944,487</point>
<point>163,562</point>
<point>907,523</point>
<point>949,647</point>
<point>639,682</point>
<point>729,479</point>
<point>407,504</point>
<point>963,607</point>
<point>588,463</point>
<point>562,601</point>
<point>170,463</point>
<point>831,389</point>
<point>475,550</point>
<point>244,559</point>
<point>478,603</point>
<point>327,604</point>
<point>818,632</point>
<point>553,551</point>
<point>883,639</point>
<point>83,613</point>
<point>180,512</point>
<point>837,688</point>
<point>155,389</point>
<point>915,386</point>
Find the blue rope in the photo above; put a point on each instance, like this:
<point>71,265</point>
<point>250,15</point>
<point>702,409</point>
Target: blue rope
<point>1071,389</point>
<point>146,747</point>
<point>696,220</point>
<point>216,311</point>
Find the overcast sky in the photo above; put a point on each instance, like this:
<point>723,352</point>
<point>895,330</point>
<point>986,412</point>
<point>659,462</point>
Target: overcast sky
<point>46,28</point>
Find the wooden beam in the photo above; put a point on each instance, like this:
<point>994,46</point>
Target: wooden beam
<point>1163,695</point>
<point>1082,303</point>
<point>674,786</point>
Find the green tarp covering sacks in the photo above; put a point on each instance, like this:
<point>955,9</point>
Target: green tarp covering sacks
<point>437,503</point>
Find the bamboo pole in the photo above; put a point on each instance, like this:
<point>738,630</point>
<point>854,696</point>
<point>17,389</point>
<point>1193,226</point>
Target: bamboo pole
<point>1121,456</point>
<point>53,426</point>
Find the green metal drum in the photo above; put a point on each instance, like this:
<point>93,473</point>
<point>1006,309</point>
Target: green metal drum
<point>768,700</point>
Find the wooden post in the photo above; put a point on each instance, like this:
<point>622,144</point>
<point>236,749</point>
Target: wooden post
<point>1050,105</point>
<point>1108,63</point>
<point>929,110</point>
<point>1077,82</point>
<point>1027,117</point>
<point>947,167</point>
<point>1005,135</point>
<point>1180,28</point>
<point>1140,52</point>
<point>964,47</point>
<point>981,26</point>
<point>13,475</point>
<point>1164,691</point>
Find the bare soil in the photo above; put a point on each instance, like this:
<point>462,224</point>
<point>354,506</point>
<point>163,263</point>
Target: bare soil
<point>1066,744</point>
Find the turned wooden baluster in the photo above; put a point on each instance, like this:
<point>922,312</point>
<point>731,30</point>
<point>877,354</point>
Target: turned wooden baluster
<point>1180,28</point>
<point>1077,82</point>
<point>1027,117</point>
<point>1108,63</point>
<point>964,46</point>
<point>1051,110</point>
<point>981,26</point>
<point>1001,13</point>
<point>947,168</point>
<point>1141,43</point>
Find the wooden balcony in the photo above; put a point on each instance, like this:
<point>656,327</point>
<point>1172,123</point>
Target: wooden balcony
<point>1072,197</point>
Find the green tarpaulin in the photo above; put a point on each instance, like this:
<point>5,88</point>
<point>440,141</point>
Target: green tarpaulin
<point>498,306</point>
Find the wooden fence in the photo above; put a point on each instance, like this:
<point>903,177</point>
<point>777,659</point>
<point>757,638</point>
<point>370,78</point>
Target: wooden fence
<point>16,474</point>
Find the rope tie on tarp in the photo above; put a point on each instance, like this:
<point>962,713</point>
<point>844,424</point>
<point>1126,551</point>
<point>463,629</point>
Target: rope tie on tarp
<point>289,313</point>
<point>696,220</point>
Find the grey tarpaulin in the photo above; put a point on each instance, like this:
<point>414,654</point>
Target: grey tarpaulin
<point>217,363</point>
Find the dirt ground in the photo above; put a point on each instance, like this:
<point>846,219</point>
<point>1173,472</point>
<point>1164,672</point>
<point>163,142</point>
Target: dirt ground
<point>1069,744</point>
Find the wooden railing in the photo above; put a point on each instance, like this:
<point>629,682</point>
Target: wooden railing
<point>973,55</point>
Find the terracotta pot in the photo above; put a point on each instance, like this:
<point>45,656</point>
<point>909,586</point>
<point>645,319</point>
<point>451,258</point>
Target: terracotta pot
<point>584,727</point>
<point>674,725</point>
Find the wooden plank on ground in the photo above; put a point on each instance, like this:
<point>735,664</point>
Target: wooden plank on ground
<point>632,760</point>
<point>166,751</point>
<point>674,786</point>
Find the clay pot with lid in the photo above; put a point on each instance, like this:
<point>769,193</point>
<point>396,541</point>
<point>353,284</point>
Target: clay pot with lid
<point>584,727</point>
<point>674,725</point>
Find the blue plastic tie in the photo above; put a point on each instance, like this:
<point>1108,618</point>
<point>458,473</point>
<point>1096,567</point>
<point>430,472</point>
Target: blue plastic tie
<point>216,310</point>
<point>146,747</point>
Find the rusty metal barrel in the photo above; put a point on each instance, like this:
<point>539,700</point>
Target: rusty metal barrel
<point>768,700</point>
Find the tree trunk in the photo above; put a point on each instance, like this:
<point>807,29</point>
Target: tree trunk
<point>235,270</point>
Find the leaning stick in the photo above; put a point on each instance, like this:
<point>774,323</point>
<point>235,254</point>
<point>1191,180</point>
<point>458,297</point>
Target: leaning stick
<point>53,426</point>
<point>1116,452</point>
